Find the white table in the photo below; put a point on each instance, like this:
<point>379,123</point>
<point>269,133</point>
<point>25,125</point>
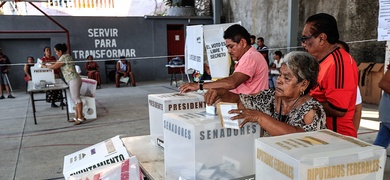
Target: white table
<point>150,157</point>
<point>33,89</point>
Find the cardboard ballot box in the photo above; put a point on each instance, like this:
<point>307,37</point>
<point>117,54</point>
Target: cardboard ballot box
<point>127,169</point>
<point>44,75</point>
<point>88,87</point>
<point>197,147</point>
<point>169,102</point>
<point>108,152</point>
<point>89,106</point>
<point>318,155</point>
<point>370,75</point>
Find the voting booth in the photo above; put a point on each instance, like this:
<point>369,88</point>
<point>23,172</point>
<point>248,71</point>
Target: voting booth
<point>207,41</point>
<point>103,154</point>
<point>197,147</point>
<point>87,92</point>
<point>169,102</point>
<point>316,155</point>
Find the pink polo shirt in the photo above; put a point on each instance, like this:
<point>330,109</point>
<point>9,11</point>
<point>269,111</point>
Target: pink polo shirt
<point>253,64</point>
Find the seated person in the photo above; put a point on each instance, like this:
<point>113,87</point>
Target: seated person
<point>123,68</point>
<point>287,109</point>
<point>275,66</point>
<point>27,68</point>
<point>92,69</point>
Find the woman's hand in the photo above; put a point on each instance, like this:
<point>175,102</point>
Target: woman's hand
<point>246,115</point>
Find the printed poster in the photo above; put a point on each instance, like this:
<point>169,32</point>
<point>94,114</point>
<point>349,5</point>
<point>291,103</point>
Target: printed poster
<point>384,20</point>
<point>217,53</point>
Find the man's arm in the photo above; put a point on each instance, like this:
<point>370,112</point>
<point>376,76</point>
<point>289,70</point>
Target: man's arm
<point>227,83</point>
<point>331,111</point>
<point>128,68</point>
<point>384,83</point>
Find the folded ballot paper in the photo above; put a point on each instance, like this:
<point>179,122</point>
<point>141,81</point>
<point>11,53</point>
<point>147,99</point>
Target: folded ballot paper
<point>226,122</point>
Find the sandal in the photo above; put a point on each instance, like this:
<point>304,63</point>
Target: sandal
<point>72,120</point>
<point>79,121</point>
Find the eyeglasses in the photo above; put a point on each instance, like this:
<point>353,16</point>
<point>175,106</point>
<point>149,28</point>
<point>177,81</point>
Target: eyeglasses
<point>304,38</point>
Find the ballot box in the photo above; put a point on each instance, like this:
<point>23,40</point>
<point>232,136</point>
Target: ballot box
<point>197,147</point>
<point>169,102</point>
<point>88,93</point>
<point>88,109</point>
<point>318,155</point>
<point>105,153</point>
<point>42,76</point>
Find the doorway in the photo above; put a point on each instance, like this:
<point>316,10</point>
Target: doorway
<point>176,43</point>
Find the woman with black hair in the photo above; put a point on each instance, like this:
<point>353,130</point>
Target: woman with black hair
<point>68,69</point>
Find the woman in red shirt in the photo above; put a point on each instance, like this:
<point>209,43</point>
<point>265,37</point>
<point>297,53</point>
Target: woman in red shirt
<point>92,69</point>
<point>55,95</point>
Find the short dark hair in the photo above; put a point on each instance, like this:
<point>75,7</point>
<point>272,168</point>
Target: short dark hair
<point>237,32</point>
<point>45,48</point>
<point>253,37</point>
<point>122,57</point>
<point>261,39</point>
<point>90,56</point>
<point>324,23</point>
<point>279,53</point>
<point>344,45</point>
<point>61,47</point>
<point>28,57</point>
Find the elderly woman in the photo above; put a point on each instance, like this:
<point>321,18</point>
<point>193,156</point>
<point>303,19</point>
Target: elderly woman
<point>66,63</point>
<point>288,108</point>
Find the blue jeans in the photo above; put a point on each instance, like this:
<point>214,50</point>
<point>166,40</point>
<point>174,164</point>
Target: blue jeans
<point>383,137</point>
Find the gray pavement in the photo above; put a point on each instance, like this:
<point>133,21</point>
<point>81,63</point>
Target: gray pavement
<point>31,151</point>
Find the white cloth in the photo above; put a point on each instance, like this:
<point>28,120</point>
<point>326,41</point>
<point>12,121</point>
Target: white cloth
<point>358,96</point>
<point>78,69</point>
<point>122,66</point>
<point>278,65</point>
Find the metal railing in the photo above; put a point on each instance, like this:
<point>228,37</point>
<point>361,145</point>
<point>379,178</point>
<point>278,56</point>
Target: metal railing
<point>81,3</point>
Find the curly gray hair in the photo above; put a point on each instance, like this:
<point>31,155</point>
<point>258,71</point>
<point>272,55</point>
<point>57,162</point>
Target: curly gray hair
<point>304,66</point>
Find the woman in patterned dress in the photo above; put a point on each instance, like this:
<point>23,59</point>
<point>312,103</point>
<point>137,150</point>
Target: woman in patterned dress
<point>66,63</point>
<point>287,109</point>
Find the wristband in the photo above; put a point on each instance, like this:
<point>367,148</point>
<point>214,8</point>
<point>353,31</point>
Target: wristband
<point>201,85</point>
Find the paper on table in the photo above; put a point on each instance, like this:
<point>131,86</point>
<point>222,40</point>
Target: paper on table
<point>226,122</point>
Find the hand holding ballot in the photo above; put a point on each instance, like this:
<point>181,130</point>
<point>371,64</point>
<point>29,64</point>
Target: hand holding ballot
<point>246,115</point>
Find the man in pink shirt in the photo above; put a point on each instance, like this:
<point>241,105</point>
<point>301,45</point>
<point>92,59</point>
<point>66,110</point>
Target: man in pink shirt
<point>251,71</point>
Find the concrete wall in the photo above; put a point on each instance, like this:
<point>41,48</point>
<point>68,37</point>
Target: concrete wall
<point>142,39</point>
<point>357,21</point>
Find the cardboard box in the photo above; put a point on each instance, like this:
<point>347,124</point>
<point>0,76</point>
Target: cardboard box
<point>88,87</point>
<point>169,102</point>
<point>318,155</point>
<point>127,169</point>
<point>45,75</point>
<point>89,106</point>
<point>108,152</point>
<point>197,147</point>
<point>369,76</point>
